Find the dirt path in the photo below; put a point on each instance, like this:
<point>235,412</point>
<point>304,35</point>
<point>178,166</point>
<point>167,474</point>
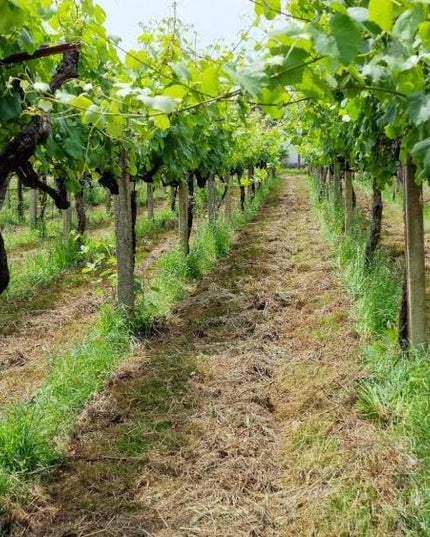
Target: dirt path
<point>239,419</point>
<point>63,317</point>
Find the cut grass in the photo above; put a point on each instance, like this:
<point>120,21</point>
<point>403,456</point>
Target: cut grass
<point>33,434</point>
<point>396,393</point>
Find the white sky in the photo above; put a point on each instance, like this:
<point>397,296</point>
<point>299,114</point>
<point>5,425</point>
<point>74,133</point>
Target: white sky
<point>212,19</point>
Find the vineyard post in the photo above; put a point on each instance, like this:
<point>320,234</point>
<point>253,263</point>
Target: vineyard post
<point>337,184</point>
<point>330,184</point>
<point>415,257</point>
<point>228,200</point>
<point>173,194</point>
<point>20,198</point>
<point>124,238</point>
<point>183,217</point>
<point>190,184</point>
<point>108,201</point>
<point>348,201</point>
<point>251,185</point>
<point>376,223</point>
<point>211,199</point>
<point>33,207</point>
<point>150,200</point>
<point>67,223</point>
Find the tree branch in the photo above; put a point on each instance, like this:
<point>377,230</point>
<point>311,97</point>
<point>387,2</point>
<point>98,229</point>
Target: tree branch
<point>43,52</point>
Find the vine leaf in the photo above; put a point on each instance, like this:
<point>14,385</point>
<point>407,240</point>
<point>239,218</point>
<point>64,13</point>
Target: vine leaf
<point>381,12</point>
<point>418,108</point>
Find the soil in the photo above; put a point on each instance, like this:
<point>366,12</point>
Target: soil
<point>239,417</point>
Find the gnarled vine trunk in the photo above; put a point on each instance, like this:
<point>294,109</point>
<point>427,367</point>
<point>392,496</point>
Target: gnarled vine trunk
<point>80,212</point>
<point>17,152</point>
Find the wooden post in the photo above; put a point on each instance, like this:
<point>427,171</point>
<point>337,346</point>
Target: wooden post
<point>183,217</point>
<point>20,198</point>
<point>348,202</point>
<point>251,186</point>
<point>150,200</point>
<point>211,200</point>
<point>415,258</point>
<point>108,201</point>
<point>173,194</point>
<point>124,238</point>
<point>228,199</point>
<point>33,207</point>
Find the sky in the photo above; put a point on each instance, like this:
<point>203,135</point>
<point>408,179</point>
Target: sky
<point>212,19</point>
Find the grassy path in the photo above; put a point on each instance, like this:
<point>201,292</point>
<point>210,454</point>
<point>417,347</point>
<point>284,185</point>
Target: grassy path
<point>239,418</point>
<point>61,317</point>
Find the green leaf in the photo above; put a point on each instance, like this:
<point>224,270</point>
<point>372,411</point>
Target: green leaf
<point>407,24</point>
<point>249,79</point>
<point>176,91</point>
<point>347,37</point>
<point>161,121</point>
<point>41,86</point>
<point>182,71</point>
<point>210,81</point>
<point>81,102</point>
<point>418,108</point>
<point>269,8</point>
<point>10,107</point>
<point>45,105</point>
<point>135,59</point>
<point>292,67</point>
<point>381,12</point>
<point>164,104</point>
<point>421,152</point>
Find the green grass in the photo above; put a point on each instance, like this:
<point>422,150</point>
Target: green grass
<point>161,220</point>
<point>396,392</point>
<point>30,274</point>
<point>33,433</point>
<point>34,272</point>
<point>174,270</point>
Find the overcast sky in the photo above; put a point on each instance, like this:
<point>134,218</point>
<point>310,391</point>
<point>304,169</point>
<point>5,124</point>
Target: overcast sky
<point>212,19</point>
